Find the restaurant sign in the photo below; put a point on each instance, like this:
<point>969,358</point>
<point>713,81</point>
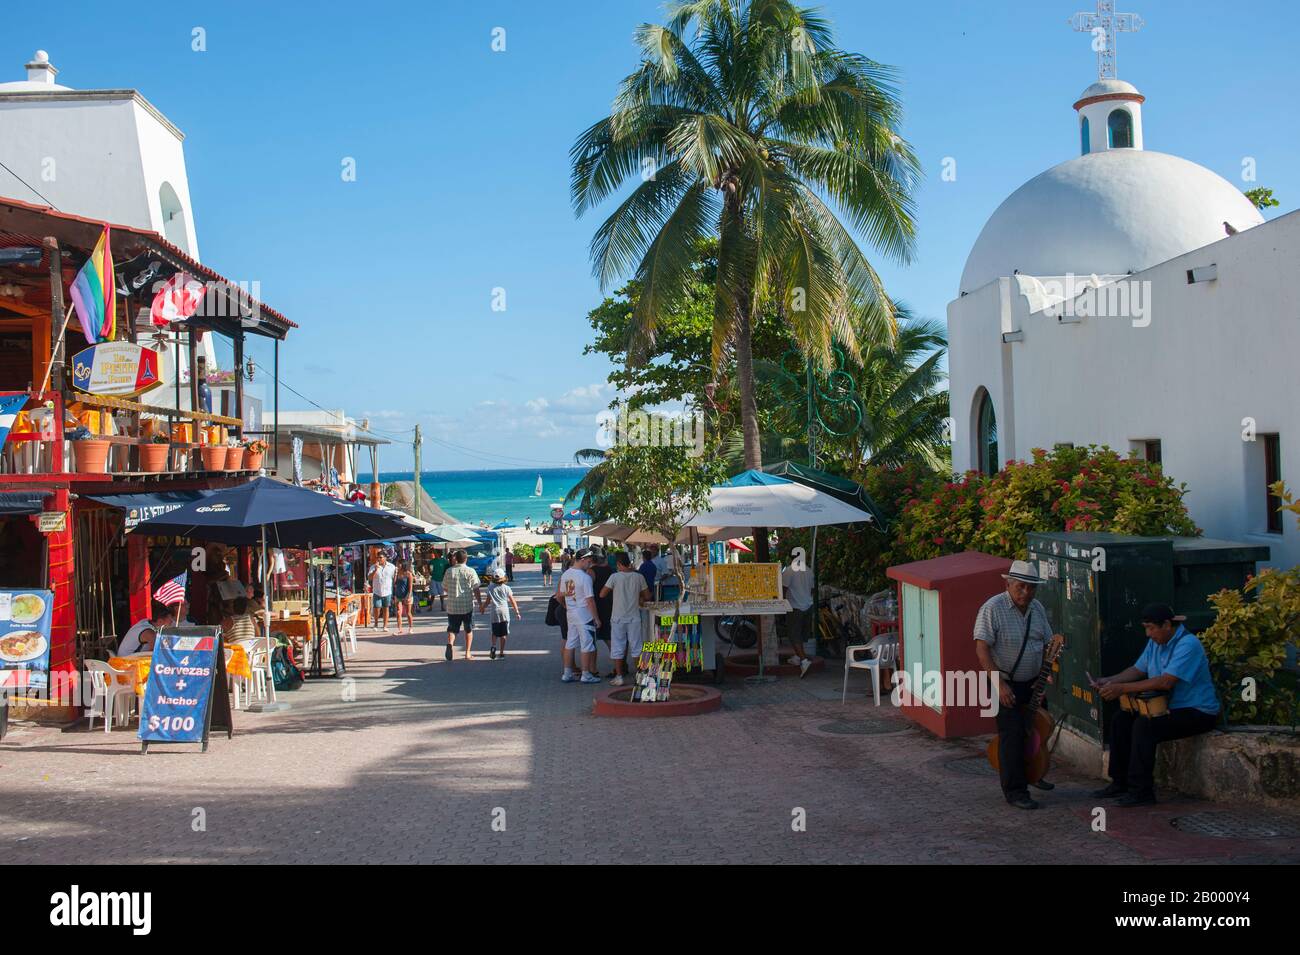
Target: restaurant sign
<point>25,638</point>
<point>51,522</point>
<point>120,369</point>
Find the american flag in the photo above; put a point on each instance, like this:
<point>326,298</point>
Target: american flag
<point>172,592</point>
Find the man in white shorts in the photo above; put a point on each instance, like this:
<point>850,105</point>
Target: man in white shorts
<point>630,592</point>
<point>580,604</point>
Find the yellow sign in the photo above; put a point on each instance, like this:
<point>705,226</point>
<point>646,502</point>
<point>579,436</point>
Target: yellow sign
<point>659,647</point>
<point>732,583</point>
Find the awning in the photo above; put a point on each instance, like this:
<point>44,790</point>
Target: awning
<point>21,502</point>
<point>142,507</point>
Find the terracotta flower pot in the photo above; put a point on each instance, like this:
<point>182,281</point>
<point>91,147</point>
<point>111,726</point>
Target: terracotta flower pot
<point>153,457</point>
<point>234,458</point>
<point>91,456</point>
<point>252,459</point>
<point>214,457</point>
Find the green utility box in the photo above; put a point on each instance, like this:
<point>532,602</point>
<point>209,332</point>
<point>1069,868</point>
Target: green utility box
<point>1204,566</point>
<point>1097,585</point>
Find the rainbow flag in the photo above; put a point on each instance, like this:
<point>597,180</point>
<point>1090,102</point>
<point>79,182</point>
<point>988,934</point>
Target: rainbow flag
<point>93,295</point>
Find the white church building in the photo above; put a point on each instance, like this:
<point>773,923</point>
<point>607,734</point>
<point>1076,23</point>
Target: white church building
<point>104,154</point>
<point>1135,299</point>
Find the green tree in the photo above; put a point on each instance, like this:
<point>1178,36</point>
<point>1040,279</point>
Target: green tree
<point>746,124</point>
<point>1262,198</point>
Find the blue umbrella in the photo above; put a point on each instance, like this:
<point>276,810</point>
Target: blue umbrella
<point>292,517</point>
<point>502,526</point>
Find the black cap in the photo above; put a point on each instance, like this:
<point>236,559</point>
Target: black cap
<point>1160,613</point>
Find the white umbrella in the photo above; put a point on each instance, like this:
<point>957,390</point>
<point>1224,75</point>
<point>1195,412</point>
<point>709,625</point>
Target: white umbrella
<point>773,502</point>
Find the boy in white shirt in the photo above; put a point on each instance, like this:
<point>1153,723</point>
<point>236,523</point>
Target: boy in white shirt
<point>629,590</point>
<point>502,598</point>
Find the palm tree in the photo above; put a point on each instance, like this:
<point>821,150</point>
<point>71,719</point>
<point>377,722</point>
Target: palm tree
<point>744,123</point>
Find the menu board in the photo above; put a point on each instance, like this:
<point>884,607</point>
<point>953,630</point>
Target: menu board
<point>730,583</point>
<point>25,639</point>
<point>185,695</point>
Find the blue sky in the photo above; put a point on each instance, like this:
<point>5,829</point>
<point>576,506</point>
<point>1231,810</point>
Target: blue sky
<point>462,168</point>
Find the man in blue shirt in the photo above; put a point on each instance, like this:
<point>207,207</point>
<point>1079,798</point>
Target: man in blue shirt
<point>1173,662</point>
<point>650,568</point>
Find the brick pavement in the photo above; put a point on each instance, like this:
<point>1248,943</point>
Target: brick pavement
<point>430,753</point>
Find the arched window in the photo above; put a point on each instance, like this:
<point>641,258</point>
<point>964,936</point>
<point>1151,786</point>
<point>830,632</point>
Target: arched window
<point>173,217</point>
<point>1086,136</point>
<point>1120,129</point>
<point>986,435</point>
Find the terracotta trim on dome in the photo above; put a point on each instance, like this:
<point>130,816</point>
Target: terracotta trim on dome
<point>1132,97</point>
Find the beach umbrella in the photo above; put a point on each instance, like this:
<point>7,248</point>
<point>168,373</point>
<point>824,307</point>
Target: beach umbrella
<point>502,526</point>
<point>736,543</point>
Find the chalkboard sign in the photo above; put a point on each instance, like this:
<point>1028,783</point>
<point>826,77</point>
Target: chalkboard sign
<point>186,695</point>
<point>335,642</point>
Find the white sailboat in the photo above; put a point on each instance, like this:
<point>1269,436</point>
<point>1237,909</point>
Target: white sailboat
<point>537,492</point>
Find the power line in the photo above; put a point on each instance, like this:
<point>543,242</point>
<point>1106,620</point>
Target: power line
<point>30,186</point>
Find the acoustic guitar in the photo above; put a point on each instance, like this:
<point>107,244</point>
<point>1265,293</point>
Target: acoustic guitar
<point>1039,724</point>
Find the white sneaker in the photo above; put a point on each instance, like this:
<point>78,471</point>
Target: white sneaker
<point>589,678</point>
<point>804,665</point>
<point>616,680</point>
<point>569,678</point>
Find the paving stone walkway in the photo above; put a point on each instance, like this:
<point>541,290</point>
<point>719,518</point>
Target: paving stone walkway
<point>497,761</point>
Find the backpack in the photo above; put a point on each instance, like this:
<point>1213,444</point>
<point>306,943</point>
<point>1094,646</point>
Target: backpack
<point>556,614</point>
<point>284,673</point>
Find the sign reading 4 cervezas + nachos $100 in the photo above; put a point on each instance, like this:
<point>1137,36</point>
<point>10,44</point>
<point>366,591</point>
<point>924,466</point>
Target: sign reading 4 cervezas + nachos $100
<point>122,369</point>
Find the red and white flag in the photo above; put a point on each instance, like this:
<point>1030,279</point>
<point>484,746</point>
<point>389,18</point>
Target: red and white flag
<point>172,592</point>
<point>177,299</point>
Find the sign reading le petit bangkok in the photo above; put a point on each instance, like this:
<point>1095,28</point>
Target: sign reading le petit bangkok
<point>121,369</point>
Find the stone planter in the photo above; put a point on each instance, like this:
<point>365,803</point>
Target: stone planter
<point>153,457</point>
<point>214,457</point>
<point>91,456</point>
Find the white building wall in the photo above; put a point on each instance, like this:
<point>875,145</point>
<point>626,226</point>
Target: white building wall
<point>1214,353</point>
<point>95,155</point>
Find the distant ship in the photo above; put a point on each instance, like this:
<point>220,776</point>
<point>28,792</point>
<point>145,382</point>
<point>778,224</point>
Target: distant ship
<point>537,492</point>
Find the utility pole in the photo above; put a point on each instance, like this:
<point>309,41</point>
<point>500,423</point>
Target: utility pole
<point>416,493</point>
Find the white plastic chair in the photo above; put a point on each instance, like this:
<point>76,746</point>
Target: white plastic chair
<point>257,661</point>
<point>348,629</point>
<point>106,689</point>
<point>233,680</point>
<point>884,650</point>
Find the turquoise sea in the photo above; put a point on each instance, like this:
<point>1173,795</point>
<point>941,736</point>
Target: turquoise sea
<point>494,496</point>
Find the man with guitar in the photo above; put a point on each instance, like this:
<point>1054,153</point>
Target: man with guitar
<point>1011,631</point>
<point>1173,663</point>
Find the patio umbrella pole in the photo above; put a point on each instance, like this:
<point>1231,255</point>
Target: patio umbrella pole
<point>275,706</point>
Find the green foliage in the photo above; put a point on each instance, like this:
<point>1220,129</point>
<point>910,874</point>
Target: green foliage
<point>655,487</point>
<point>1069,489</point>
<point>1262,198</point>
<point>1249,637</point>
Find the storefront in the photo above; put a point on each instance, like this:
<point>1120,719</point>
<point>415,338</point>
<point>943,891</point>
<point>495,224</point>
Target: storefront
<point>100,432</point>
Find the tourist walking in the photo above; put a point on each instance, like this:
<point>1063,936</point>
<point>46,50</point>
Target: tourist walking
<point>502,599</point>
<point>402,600</point>
<point>510,565</point>
<point>437,570</point>
<point>548,567</point>
<point>583,618</point>
<point>797,582</point>
<point>627,591</point>
<point>381,586</point>
<point>462,591</point>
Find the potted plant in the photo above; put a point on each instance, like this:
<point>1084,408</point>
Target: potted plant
<point>153,456</point>
<point>253,452</point>
<point>234,456</point>
<point>214,457</point>
<point>89,452</point>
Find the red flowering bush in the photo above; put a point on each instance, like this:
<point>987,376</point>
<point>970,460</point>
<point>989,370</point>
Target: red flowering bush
<point>1068,489</point>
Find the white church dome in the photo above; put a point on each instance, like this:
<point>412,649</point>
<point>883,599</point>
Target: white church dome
<point>1118,208</point>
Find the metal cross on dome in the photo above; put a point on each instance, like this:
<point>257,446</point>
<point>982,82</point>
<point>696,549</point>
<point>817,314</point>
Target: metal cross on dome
<point>1103,25</point>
